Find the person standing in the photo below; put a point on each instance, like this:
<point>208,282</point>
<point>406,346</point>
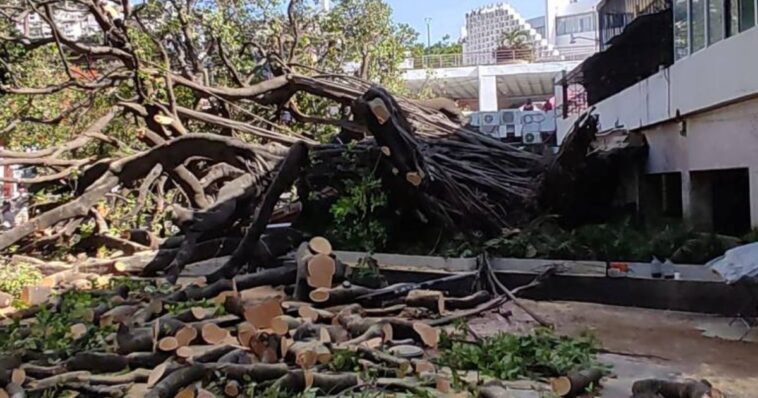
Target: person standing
<point>8,219</point>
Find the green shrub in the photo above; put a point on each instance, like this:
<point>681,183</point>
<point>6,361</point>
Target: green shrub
<point>13,278</point>
<point>508,357</point>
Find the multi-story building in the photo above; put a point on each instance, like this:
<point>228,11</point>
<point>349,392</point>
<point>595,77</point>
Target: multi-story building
<point>571,26</point>
<point>485,29</point>
<point>73,20</point>
<point>568,31</point>
<point>681,73</point>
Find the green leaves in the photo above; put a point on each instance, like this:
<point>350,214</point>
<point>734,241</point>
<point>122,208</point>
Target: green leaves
<point>508,356</point>
<point>356,214</point>
<point>13,278</point>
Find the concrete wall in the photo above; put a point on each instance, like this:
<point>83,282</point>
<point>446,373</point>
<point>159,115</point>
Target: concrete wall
<point>700,114</point>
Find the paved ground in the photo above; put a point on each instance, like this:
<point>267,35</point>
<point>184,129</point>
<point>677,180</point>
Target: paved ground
<point>645,343</point>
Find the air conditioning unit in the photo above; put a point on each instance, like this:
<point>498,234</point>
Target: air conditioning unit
<point>531,138</point>
<point>508,117</point>
<point>509,123</point>
<point>474,119</point>
<point>489,119</point>
<point>489,123</point>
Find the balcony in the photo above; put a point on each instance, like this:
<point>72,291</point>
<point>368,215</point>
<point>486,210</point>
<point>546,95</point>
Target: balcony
<point>499,57</point>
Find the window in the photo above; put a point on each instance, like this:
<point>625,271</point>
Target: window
<point>697,11</point>
<point>747,14</point>
<point>681,29</point>
<point>715,20</point>
<point>575,24</point>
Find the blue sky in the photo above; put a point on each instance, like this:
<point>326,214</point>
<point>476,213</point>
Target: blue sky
<point>447,15</point>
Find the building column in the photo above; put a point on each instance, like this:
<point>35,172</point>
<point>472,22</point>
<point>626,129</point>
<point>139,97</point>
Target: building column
<point>487,93</point>
<point>686,199</point>
<point>753,197</point>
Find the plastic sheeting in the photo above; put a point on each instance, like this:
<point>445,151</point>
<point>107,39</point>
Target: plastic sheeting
<point>738,264</point>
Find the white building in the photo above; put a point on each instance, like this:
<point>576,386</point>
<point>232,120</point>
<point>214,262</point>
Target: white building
<point>568,31</point>
<point>72,19</point>
<point>571,26</point>
<point>696,104</point>
<point>484,30</point>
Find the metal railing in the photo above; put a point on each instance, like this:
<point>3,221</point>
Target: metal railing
<point>500,57</point>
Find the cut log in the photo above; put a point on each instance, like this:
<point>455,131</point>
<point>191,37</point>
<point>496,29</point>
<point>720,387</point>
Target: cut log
<point>97,362</point>
<point>146,360</point>
<point>168,344</point>
<point>78,330</point>
<point>232,388</point>
<point>52,381</point>
<point>328,384</point>
<point>135,376</point>
<point>35,295</point>
<point>315,315</point>
<point>400,364</point>
<point>302,289</point>
<point>338,296</point>
<point>423,366</point>
<point>186,392</point>
<point>320,245</point>
<point>307,354</point>
<point>673,389</point>
<point>380,111</point>
<point>261,315</point>
<point>310,331</point>
<point>185,336</point>
<point>432,300</point>
<point>213,334</point>
<point>283,275</point>
<point>414,178</point>
<point>245,332</point>
<point>18,376</point>
<point>255,373</point>
<point>429,335</point>
<point>157,374</point>
<point>321,269</point>
<point>576,383</point>
<point>116,315</point>
<point>237,356</point>
<point>282,324</point>
<point>170,385</point>
<point>203,393</point>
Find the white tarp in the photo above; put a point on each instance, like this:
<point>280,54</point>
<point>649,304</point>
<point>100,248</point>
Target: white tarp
<point>738,263</point>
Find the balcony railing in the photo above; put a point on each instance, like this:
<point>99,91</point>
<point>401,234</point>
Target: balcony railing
<point>499,57</point>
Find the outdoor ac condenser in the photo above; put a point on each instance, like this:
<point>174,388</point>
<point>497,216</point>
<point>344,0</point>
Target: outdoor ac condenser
<point>489,123</point>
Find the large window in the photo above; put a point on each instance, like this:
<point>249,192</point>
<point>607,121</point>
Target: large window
<point>575,24</point>
<point>697,11</point>
<point>747,14</point>
<point>681,29</point>
<point>715,20</point>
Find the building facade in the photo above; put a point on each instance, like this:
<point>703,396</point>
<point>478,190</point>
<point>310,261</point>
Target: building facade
<point>571,27</point>
<point>485,28</point>
<point>72,19</point>
<point>698,114</point>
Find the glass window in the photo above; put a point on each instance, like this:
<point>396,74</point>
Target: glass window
<point>697,11</point>
<point>747,14</point>
<point>734,17</point>
<point>681,29</point>
<point>715,20</point>
<point>575,24</point>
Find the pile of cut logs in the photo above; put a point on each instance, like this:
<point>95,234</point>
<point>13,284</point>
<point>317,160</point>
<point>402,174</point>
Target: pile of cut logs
<point>281,326</point>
